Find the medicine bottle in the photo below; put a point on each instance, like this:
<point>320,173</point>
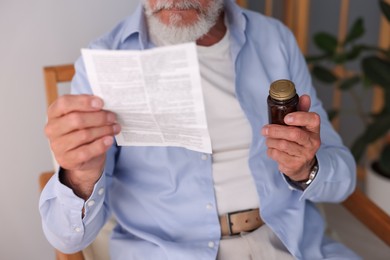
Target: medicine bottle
<point>282,100</point>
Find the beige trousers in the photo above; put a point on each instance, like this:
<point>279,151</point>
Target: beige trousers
<point>261,244</point>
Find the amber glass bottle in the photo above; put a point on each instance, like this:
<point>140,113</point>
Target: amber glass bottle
<point>282,100</point>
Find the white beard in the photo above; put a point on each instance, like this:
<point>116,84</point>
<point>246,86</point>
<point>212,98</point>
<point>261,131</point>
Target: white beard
<point>175,33</point>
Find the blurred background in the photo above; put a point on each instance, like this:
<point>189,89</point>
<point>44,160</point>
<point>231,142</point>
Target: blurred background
<point>39,33</point>
<point>36,34</point>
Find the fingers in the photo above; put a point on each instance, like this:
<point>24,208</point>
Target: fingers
<point>297,168</point>
<point>83,157</point>
<point>80,132</point>
<point>70,103</point>
<point>76,150</point>
<point>78,120</point>
<point>294,146</point>
<point>76,139</point>
<point>308,120</point>
<point>287,152</point>
<point>304,103</point>
<point>287,147</point>
<point>311,121</point>
<point>291,134</point>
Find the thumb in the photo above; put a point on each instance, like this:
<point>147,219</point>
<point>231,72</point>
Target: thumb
<point>304,103</point>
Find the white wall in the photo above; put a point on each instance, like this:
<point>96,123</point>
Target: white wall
<point>34,34</point>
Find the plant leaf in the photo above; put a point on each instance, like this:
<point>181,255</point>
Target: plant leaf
<point>385,7</point>
<point>348,83</point>
<point>332,114</point>
<point>355,52</point>
<point>323,74</point>
<point>367,83</point>
<point>377,70</point>
<point>352,54</point>
<point>375,130</point>
<point>384,159</point>
<point>326,42</point>
<point>340,58</point>
<point>315,58</point>
<point>357,31</point>
<point>386,103</point>
<point>377,49</point>
<point>359,147</point>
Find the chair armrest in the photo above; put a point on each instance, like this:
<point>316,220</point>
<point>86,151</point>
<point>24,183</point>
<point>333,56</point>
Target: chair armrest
<point>367,212</point>
<point>76,256</point>
<point>44,178</point>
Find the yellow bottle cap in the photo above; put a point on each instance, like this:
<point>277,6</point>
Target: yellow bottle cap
<point>282,89</point>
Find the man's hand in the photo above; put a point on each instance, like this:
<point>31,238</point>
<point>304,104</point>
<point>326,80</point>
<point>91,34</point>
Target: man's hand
<point>80,133</point>
<point>294,146</point>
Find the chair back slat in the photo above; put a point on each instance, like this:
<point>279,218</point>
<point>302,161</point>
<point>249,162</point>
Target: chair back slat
<point>54,75</point>
<point>268,10</point>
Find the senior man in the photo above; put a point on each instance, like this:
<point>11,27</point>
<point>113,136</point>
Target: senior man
<point>252,198</point>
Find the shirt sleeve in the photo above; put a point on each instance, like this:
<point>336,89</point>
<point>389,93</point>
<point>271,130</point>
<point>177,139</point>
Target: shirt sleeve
<point>336,177</point>
<point>61,210</point>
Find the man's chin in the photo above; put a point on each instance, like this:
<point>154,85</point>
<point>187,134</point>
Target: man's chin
<point>178,26</point>
<point>176,32</point>
<point>179,19</point>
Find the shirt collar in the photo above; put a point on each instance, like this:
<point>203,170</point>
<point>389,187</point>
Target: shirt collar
<point>235,15</point>
<point>136,25</point>
<point>237,24</point>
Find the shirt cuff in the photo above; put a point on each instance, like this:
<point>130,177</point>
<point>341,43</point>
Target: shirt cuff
<point>94,203</point>
<point>72,201</point>
<point>302,185</point>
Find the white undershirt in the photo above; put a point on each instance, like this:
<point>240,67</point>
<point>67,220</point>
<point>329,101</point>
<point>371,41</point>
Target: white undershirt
<point>229,130</point>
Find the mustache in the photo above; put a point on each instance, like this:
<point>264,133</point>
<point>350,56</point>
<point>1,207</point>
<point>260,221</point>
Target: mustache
<point>182,5</point>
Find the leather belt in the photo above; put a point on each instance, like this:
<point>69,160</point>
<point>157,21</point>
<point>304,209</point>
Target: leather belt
<point>233,223</point>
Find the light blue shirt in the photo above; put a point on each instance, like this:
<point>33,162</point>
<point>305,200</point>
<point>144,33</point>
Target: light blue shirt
<point>163,197</point>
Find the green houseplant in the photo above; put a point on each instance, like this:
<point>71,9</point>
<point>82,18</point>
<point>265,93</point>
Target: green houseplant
<point>374,64</point>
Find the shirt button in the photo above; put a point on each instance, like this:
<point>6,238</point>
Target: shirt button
<point>204,157</point>
<point>101,191</point>
<point>209,206</point>
<point>77,229</point>
<point>91,203</point>
<point>211,244</point>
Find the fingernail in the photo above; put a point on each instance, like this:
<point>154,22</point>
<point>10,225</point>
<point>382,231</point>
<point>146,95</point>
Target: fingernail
<point>264,131</point>
<point>111,118</point>
<point>116,128</point>
<point>96,103</point>
<point>108,141</point>
<point>288,119</point>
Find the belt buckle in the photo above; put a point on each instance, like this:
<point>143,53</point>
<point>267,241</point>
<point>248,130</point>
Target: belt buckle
<point>230,224</point>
